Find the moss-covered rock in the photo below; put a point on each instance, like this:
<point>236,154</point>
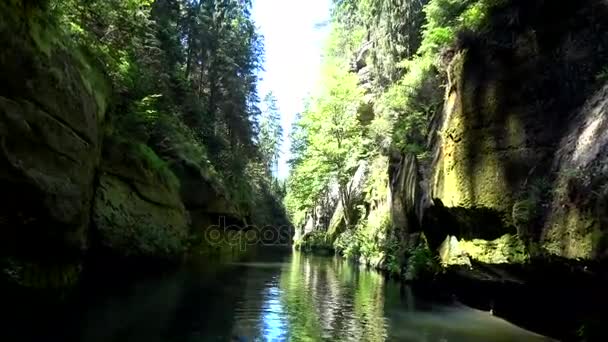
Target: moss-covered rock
<point>506,249</point>
<point>137,210</point>
<point>577,223</point>
<point>52,106</point>
<point>451,253</point>
<point>507,124</point>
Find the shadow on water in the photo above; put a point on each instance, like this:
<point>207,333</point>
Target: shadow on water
<point>278,297</point>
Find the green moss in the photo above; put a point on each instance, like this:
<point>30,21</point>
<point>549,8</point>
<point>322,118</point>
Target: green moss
<point>43,37</point>
<point>483,185</point>
<point>129,224</point>
<point>506,249</point>
<point>94,81</point>
<point>572,232</point>
<point>516,133</point>
<point>524,212</point>
<point>140,158</point>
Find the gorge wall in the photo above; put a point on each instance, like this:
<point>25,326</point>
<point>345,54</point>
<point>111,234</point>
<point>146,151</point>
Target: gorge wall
<point>74,187</point>
<point>514,151</point>
<point>508,197</point>
<point>513,112</point>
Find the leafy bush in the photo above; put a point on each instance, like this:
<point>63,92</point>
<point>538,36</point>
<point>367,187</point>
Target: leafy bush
<point>421,263</point>
<point>602,76</point>
<point>314,241</point>
<point>408,104</point>
<point>447,17</point>
<point>393,256</point>
<point>347,244</point>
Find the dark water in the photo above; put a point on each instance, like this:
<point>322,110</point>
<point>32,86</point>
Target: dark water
<point>279,298</point>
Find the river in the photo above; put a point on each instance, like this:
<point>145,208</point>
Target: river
<point>277,297</point>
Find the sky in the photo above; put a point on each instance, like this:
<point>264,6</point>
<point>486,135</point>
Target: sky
<point>293,40</point>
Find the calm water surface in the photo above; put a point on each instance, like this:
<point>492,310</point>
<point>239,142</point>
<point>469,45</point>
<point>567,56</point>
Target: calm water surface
<point>280,298</point>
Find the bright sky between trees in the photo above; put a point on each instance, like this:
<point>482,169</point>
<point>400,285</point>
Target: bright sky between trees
<point>294,33</point>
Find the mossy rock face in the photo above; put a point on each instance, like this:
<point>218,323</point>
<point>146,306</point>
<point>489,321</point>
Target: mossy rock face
<point>508,249</point>
<point>486,151</point>
<point>509,119</point>
<point>577,223</point>
<point>137,210</point>
<point>200,192</point>
<point>336,224</point>
<point>52,105</point>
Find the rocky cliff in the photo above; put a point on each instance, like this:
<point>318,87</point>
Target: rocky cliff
<point>514,127</point>
<point>52,106</point>
<point>73,185</point>
<point>509,196</point>
<point>514,195</point>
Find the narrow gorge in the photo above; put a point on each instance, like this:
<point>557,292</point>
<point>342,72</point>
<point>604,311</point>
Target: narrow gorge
<point>450,167</point>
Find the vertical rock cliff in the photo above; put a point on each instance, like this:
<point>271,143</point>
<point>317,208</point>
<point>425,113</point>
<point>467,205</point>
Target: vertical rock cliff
<point>52,106</point>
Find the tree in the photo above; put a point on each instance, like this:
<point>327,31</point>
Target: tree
<point>327,141</point>
<point>184,75</point>
<point>270,136</point>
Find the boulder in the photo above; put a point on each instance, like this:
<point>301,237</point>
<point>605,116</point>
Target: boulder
<point>137,210</point>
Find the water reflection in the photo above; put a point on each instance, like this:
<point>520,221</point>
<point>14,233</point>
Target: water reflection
<point>282,298</point>
<point>325,299</point>
<point>328,299</point>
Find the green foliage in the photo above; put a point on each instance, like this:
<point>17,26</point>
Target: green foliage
<point>329,139</point>
<point>444,18</point>
<point>147,159</point>
<point>184,77</point>
<point>270,136</point>
<point>347,244</point>
<point>139,119</point>
<point>315,241</point>
<point>370,241</point>
<point>119,33</point>
<point>602,76</point>
<point>374,236</point>
<point>407,106</point>
<point>391,27</point>
<point>421,263</point>
<point>528,208</point>
<point>393,262</point>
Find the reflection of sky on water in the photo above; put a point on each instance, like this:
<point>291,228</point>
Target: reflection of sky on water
<point>314,299</point>
<point>273,317</point>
